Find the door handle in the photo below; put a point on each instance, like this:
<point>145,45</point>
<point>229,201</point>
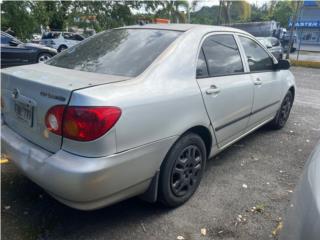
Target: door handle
<point>257,81</point>
<point>213,90</point>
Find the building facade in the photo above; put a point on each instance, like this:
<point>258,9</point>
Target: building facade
<point>307,27</point>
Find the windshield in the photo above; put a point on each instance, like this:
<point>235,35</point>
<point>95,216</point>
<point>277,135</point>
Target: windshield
<point>124,52</point>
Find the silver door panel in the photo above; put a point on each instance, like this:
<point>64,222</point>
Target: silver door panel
<point>230,107</point>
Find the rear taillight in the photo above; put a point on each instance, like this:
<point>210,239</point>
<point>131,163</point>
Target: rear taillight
<point>54,119</point>
<point>81,123</point>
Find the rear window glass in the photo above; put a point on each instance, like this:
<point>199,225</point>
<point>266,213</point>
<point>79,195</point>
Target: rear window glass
<point>124,52</point>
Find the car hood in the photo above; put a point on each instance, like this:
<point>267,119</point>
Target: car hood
<point>39,46</point>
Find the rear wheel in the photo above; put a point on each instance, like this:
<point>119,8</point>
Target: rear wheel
<point>44,57</point>
<point>62,48</point>
<point>283,113</point>
<point>182,170</point>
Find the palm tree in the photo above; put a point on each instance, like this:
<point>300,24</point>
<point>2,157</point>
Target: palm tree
<point>170,9</point>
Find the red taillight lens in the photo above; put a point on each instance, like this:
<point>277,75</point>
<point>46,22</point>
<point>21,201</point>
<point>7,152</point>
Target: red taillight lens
<point>85,123</point>
<point>89,123</point>
<point>53,119</point>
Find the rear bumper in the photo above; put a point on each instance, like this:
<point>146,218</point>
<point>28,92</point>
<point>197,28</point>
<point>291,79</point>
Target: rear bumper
<point>86,183</point>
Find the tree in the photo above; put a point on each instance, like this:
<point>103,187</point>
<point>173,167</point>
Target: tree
<point>233,11</point>
<point>259,13</point>
<point>240,11</point>
<point>170,9</point>
<point>206,15</point>
<point>51,13</point>
<point>17,16</point>
<point>282,12</point>
<point>224,10</point>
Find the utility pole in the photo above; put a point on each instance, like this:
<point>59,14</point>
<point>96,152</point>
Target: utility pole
<point>293,23</point>
<point>219,13</point>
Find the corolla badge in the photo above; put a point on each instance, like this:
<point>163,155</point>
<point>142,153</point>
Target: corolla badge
<point>15,93</point>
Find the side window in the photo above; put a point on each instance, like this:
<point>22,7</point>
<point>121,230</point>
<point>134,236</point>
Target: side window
<point>202,70</point>
<point>68,36</point>
<point>222,55</point>
<point>257,57</point>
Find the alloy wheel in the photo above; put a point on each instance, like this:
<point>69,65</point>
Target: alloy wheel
<point>186,171</point>
<point>285,110</point>
<point>44,58</point>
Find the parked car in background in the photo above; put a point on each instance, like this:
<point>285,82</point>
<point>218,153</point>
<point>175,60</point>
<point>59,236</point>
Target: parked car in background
<point>36,38</point>
<point>285,42</point>
<point>303,217</point>
<point>131,112</point>
<point>15,52</point>
<point>273,45</point>
<point>60,40</point>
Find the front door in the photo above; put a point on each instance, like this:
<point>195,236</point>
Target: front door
<point>267,86</point>
<point>226,88</point>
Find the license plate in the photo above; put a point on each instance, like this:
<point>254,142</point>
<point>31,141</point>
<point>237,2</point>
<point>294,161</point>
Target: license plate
<point>24,112</point>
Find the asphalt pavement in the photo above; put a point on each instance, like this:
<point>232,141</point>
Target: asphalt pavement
<point>243,195</point>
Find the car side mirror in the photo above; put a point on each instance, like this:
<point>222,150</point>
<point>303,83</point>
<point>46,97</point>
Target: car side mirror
<point>13,43</point>
<point>283,64</point>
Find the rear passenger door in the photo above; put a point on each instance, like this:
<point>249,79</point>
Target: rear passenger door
<point>267,85</point>
<point>226,87</point>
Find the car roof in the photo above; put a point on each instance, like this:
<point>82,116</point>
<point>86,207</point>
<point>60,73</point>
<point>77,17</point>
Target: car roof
<point>187,27</point>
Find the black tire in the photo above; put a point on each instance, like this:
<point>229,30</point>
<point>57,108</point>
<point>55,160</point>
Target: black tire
<point>283,113</point>
<point>42,57</point>
<point>62,47</point>
<point>182,170</point>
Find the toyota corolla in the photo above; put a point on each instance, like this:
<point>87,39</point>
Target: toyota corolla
<point>138,110</point>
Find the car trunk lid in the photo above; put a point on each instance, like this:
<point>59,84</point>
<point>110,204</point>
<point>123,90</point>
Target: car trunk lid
<point>28,92</point>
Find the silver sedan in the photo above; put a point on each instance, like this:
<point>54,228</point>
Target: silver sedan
<point>138,111</point>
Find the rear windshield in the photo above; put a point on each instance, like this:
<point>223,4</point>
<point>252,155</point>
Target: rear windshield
<point>124,52</point>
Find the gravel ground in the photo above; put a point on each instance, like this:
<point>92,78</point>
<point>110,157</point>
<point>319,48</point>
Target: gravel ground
<point>267,162</point>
